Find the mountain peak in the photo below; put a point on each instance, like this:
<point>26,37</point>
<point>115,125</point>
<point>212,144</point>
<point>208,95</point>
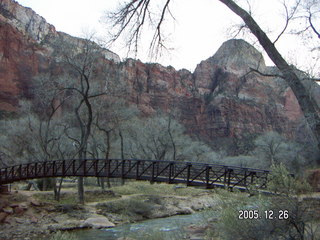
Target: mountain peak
<point>238,55</point>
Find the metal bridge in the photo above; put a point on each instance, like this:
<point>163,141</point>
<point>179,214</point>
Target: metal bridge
<point>192,174</point>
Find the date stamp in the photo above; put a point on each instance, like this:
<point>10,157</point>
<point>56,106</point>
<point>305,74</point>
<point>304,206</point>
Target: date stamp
<point>267,214</point>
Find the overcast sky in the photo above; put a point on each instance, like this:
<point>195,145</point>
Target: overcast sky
<point>200,28</point>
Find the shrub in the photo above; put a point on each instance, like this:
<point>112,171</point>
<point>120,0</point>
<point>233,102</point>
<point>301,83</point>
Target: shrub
<point>294,225</point>
<point>282,182</point>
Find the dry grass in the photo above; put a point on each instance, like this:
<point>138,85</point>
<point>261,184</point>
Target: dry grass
<point>95,194</point>
<point>142,187</point>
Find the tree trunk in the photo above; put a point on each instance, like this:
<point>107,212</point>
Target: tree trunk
<point>107,158</point>
<point>80,190</point>
<point>57,190</point>
<point>122,152</point>
<point>102,183</point>
<point>108,182</point>
<point>171,138</point>
<point>121,144</point>
<point>308,105</point>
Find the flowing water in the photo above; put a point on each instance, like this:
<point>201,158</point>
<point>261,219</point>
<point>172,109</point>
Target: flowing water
<point>171,228</point>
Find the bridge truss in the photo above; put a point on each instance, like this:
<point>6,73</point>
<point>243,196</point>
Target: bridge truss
<point>192,174</point>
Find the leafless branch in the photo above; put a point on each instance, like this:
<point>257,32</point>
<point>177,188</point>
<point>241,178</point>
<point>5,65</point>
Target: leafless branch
<point>132,17</point>
<point>289,16</point>
<point>157,42</point>
<point>263,74</point>
<point>312,26</point>
<point>308,10</point>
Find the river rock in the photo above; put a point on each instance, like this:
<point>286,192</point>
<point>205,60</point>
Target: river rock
<point>8,210</point>
<point>14,205</point>
<point>18,210</point>
<point>35,203</point>
<point>98,222</point>
<point>3,216</point>
<point>3,203</point>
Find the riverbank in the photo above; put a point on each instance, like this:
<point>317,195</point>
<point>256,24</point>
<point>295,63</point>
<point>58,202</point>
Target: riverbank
<point>35,215</point>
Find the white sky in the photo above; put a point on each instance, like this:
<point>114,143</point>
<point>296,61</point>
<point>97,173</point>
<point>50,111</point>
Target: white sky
<point>201,26</point>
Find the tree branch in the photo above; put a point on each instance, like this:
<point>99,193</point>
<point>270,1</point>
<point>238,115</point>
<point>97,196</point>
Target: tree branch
<point>312,26</point>
<point>263,74</point>
<point>289,17</point>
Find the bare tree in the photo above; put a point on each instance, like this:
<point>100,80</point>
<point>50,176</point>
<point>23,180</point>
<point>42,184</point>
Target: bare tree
<point>271,148</point>
<point>80,60</point>
<point>133,15</point>
<point>163,138</point>
<point>32,138</point>
<point>111,114</point>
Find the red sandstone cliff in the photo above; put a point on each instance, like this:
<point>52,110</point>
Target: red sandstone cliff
<point>220,102</point>
<point>25,50</point>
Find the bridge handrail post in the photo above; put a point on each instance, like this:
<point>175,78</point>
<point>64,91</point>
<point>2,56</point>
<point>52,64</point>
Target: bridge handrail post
<point>266,179</point>
<point>73,167</point>
<point>189,165</point>
<point>11,173</point>
<point>96,167</point>
<point>20,171</point>
<point>84,165</point>
<point>123,163</point>
<point>27,170</point>
<point>225,175</point>
<point>44,169</point>
<point>229,176</point>
<point>53,168</point>
<point>252,177</point>
<point>153,171</point>
<point>36,169</point>
<point>245,178</point>
<point>108,171</point>
<point>171,173</point>
<point>137,170</point>
<point>208,168</point>
<point>267,175</point>
<point>63,168</point>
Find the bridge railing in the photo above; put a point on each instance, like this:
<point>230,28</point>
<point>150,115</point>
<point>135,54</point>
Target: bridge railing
<point>192,174</point>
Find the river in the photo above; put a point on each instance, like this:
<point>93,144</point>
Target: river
<point>171,228</point>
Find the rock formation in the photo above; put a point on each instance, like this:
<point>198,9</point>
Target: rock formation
<point>222,102</point>
<point>25,50</point>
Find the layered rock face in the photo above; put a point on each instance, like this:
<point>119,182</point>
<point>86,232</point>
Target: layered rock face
<point>25,50</point>
<point>222,102</point>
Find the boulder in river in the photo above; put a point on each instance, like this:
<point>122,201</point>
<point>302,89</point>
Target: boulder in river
<point>98,222</point>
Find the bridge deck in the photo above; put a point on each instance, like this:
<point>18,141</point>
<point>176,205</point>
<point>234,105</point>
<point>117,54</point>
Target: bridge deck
<point>192,174</point>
